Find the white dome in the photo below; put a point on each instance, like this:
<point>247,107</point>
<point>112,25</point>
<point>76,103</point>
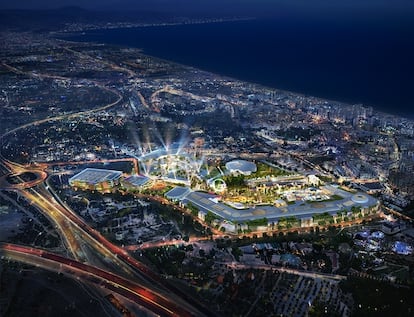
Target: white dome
<point>241,166</point>
<point>359,198</point>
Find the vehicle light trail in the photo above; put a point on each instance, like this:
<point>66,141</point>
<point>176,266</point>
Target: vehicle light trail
<point>75,231</point>
<point>145,297</point>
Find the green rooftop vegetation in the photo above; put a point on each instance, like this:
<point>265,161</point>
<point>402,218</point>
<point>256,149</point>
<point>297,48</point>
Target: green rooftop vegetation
<point>265,170</point>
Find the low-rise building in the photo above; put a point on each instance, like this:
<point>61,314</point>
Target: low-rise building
<point>95,179</point>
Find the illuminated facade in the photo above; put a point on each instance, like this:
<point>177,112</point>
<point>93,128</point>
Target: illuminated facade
<point>95,179</point>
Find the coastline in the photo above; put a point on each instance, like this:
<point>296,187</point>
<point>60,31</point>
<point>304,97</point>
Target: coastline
<point>230,78</point>
<point>75,30</point>
<point>308,85</point>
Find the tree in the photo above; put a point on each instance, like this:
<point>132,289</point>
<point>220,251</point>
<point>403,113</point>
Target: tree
<point>236,253</point>
<point>236,181</point>
<point>257,222</point>
<point>210,217</point>
<point>355,210</point>
<point>194,209</point>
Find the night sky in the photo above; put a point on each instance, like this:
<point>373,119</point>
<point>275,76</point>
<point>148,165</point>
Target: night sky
<point>254,6</point>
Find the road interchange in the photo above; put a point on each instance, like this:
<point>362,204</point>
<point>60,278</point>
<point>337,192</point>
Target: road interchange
<point>75,233</point>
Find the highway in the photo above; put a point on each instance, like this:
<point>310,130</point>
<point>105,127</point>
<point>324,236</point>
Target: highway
<point>120,285</point>
<point>76,234</point>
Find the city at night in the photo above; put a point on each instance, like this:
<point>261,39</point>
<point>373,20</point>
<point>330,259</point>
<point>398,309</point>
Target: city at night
<point>206,158</point>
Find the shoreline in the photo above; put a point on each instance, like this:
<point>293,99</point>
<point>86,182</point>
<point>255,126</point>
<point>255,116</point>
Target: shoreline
<point>227,77</point>
<point>130,25</point>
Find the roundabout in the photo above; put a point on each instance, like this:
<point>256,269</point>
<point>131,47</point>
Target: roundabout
<point>22,180</point>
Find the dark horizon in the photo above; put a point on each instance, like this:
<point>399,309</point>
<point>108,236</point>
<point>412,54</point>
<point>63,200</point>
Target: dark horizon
<point>364,61</point>
<point>206,157</point>
<point>387,25</point>
<point>257,7</point>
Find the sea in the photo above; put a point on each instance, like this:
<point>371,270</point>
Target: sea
<point>364,59</point>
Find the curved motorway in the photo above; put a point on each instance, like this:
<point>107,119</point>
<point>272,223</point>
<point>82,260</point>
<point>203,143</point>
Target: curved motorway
<point>76,233</point>
<point>133,291</point>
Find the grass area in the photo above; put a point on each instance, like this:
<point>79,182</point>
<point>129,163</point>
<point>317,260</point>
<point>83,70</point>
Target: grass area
<point>264,170</point>
<point>257,222</point>
<point>322,217</point>
<point>288,222</point>
<point>235,181</point>
<point>213,172</point>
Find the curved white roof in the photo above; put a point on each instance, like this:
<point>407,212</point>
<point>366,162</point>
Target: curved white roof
<point>241,166</point>
<point>360,198</point>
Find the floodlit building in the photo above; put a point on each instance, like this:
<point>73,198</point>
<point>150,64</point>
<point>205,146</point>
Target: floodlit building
<point>135,181</point>
<point>95,179</point>
<point>304,212</point>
